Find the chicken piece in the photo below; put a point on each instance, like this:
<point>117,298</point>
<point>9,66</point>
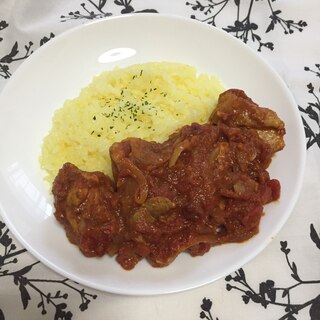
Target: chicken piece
<point>188,198</point>
<point>236,109</point>
<point>86,206</point>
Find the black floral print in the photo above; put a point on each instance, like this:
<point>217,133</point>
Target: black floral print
<point>97,9</point>
<point>206,309</point>
<point>244,27</point>
<point>15,53</point>
<point>33,289</point>
<point>270,294</point>
<point>94,11</point>
<point>51,296</point>
<point>311,113</point>
<point>127,7</point>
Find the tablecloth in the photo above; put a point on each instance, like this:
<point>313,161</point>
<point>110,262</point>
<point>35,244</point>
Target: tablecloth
<point>283,282</point>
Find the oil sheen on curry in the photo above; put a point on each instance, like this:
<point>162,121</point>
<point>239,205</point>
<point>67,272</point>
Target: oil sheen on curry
<point>205,186</point>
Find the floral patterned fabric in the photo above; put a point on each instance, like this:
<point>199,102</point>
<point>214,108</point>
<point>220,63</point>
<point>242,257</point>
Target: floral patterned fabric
<point>283,282</point>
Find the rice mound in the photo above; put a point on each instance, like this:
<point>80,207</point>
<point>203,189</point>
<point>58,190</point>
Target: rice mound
<point>148,101</point>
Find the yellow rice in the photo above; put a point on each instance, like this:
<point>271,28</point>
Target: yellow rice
<point>148,101</point>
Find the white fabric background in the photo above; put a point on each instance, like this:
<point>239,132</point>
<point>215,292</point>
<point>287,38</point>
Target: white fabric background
<point>31,20</point>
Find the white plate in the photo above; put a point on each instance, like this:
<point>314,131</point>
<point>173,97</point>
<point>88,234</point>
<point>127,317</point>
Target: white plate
<point>59,69</point>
